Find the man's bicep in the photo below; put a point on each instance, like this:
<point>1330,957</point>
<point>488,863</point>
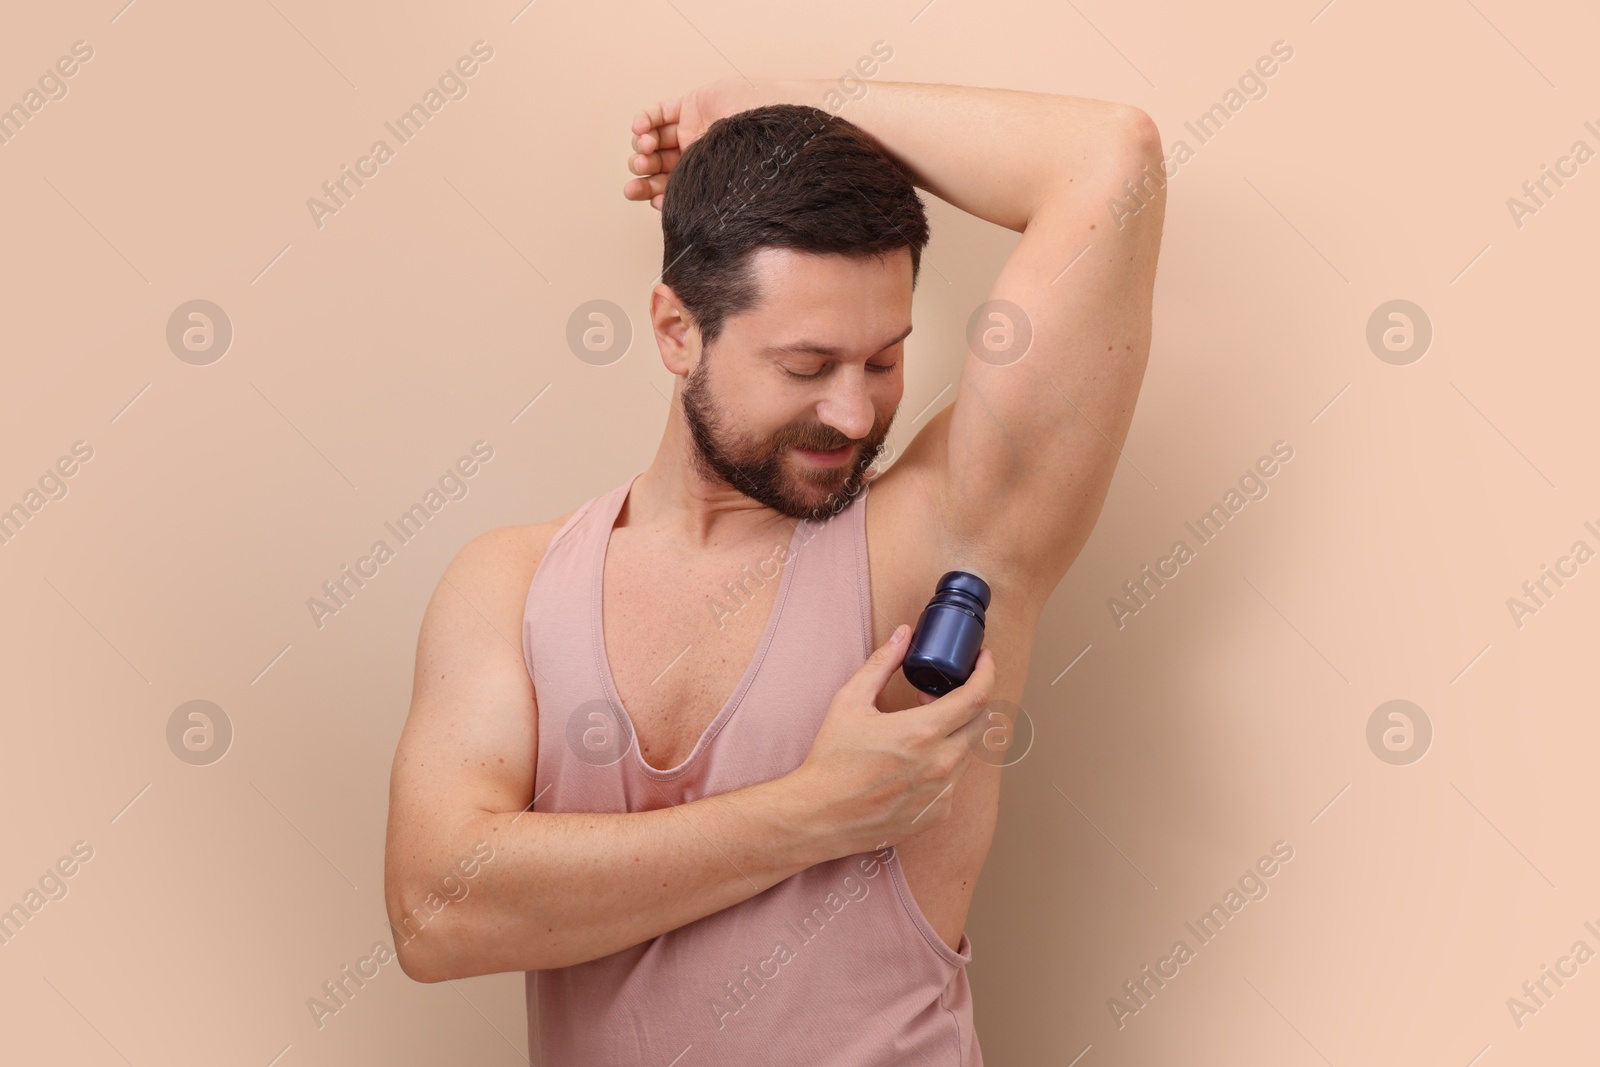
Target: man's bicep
<point>469,742</point>
<point>1046,398</point>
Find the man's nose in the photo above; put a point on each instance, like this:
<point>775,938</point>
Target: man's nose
<point>848,405</point>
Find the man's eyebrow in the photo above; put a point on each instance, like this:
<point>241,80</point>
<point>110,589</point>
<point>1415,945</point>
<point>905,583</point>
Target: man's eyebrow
<point>813,348</point>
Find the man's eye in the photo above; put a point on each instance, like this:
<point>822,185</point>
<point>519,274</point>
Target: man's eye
<point>881,368</point>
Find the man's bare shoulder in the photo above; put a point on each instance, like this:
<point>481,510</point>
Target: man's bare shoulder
<point>496,567</point>
<point>507,550</point>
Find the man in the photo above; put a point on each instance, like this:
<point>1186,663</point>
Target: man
<point>708,845</point>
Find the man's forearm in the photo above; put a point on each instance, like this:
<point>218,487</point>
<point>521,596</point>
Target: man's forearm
<point>995,153</point>
<point>566,887</point>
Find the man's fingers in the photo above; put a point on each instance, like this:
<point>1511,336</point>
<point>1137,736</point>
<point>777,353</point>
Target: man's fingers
<point>643,163</point>
<point>655,139</point>
<point>661,118</point>
<point>981,681</point>
<point>874,674</point>
<point>652,188</point>
<point>657,113</point>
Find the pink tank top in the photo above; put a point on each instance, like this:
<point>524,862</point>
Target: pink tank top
<point>833,967</point>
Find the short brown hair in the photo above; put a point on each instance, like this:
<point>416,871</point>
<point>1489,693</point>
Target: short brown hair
<point>783,175</point>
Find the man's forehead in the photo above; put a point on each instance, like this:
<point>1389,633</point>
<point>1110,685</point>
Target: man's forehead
<point>776,260</point>
<point>823,304</point>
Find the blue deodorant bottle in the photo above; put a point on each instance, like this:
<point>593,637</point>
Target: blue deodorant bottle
<point>944,646</point>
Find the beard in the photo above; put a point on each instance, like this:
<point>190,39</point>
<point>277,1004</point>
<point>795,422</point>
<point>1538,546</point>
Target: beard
<point>757,469</point>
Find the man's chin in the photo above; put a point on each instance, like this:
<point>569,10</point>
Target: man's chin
<point>825,491</point>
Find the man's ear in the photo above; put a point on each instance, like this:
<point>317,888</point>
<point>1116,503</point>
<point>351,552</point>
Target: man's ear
<point>672,329</point>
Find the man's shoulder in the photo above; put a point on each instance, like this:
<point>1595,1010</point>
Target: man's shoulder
<point>498,565</point>
<point>520,547</point>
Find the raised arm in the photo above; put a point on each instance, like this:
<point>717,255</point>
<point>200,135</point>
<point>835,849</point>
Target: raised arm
<point>1022,460</point>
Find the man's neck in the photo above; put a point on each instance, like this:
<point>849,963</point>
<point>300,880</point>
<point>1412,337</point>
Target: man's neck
<point>675,500</point>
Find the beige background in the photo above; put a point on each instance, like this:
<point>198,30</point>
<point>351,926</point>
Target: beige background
<point>369,354</point>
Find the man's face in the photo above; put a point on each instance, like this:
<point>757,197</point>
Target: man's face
<point>838,321</point>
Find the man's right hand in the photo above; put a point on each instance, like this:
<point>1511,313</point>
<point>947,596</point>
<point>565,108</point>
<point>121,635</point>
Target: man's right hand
<point>874,779</point>
<point>660,135</point>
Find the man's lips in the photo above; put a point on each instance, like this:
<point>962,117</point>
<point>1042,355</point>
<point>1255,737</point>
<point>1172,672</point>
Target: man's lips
<point>830,458</point>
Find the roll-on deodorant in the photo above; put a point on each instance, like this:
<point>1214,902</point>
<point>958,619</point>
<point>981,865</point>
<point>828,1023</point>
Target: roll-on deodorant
<point>944,646</point>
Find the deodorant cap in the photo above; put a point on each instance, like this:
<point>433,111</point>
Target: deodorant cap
<point>968,583</point>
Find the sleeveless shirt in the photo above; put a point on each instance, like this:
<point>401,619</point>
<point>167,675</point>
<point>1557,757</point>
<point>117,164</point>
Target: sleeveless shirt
<point>835,966</point>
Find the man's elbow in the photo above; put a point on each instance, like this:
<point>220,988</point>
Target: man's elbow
<point>1131,151</point>
<point>420,953</point>
<point>1139,137</point>
<point>455,941</point>
<point>425,938</point>
<point>1131,178</point>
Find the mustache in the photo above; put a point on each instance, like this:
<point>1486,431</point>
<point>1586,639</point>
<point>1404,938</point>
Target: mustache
<point>822,441</point>
<point>823,438</point>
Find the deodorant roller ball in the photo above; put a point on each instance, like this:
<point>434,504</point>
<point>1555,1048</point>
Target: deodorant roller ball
<point>944,646</point>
